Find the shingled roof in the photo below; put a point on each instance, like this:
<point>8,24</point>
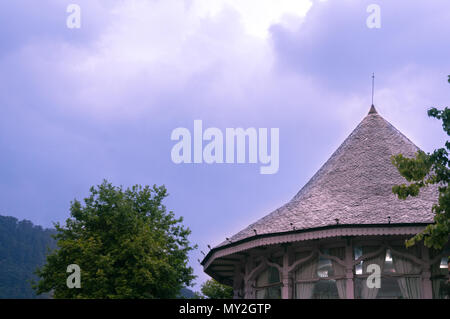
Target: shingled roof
<point>354,187</point>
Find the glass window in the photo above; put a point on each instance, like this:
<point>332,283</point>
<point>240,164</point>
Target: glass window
<point>268,285</point>
<point>440,279</point>
<point>357,252</point>
<point>305,277</point>
<point>400,277</point>
<point>389,289</point>
<point>325,289</point>
<point>325,267</point>
<point>322,277</point>
<point>388,263</point>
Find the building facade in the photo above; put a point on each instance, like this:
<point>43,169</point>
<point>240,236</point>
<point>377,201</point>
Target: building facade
<point>341,228</point>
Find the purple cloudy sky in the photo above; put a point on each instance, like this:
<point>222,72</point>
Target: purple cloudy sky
<point>81,105</point>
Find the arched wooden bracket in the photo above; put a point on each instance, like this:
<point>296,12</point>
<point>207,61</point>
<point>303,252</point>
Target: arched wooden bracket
<point>437,258</point>
<point>334,258</point>
<point>272,264</point>
<point>370,255</point>
<point>255,270</point>
<point>301,261</point>
<point>407,256</point>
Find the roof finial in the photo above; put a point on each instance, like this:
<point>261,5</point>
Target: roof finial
<point>373,85</point>
<point>372,107</point>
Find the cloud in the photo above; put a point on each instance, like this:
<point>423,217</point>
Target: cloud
<point>335,46</point>
<point>258,16</point>
<point>100,102</point>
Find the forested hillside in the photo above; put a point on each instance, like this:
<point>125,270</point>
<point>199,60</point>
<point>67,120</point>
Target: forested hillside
<point>23,248</point>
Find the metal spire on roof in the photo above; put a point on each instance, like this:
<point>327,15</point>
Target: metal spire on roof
<point>372,107</point>
<point>373,85</point>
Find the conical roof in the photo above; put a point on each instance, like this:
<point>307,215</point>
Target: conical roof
<point>354,187</point>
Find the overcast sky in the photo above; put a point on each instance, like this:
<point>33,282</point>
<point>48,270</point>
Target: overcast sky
<point>81,105</point>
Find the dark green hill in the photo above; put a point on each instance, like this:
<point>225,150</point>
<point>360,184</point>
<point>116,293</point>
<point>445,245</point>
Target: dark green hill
<point>23,248</point>
<point>186,293</point>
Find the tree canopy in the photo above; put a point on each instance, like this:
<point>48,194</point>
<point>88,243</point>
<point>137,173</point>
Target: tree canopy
<point>212,289</point>
<point>126,244</point>
<point>423,170</point>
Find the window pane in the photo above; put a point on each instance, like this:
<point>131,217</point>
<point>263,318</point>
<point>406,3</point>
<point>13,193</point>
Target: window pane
<point>273,293</point>
<point>269,276</point>
<point>388,263</point>
<point>357,252</point>
<point>441,289</point>
<point>269,293</point>
<point>324,268</point>
<point>325,289</point>
<point>389,289</point>
<point>274,275</point>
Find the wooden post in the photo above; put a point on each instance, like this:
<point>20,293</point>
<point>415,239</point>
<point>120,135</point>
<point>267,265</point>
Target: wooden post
<point>247,288</point>
<point>237,282</point>
<point>350,293</point>
<point>286,290</point>
<point>427,289</point>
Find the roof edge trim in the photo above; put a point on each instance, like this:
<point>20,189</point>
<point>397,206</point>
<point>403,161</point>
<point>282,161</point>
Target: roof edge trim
<point>296,235</point>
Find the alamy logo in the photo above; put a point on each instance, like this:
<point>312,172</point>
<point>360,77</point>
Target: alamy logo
<point>73,21</point>
<point>374,279</point>
<point>374,19</point>
<point>235,142</point>
<point>74,280</point>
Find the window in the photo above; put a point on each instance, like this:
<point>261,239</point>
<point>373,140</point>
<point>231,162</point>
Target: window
<point>400,277</point>
<point>268,285</point>
<point>440,279</point>
<point>321,277</point>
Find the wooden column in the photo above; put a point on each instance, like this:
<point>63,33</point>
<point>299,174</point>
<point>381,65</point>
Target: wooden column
<point>286,290</point>
<point>350,292</point>
<point>247,289</point>
<point>237,282</point>
<point>427,289</point>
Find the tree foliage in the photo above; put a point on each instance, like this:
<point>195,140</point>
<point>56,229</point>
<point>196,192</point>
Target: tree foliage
<point>423,170</point>
<point>212,289</point>
<point>126,244</point>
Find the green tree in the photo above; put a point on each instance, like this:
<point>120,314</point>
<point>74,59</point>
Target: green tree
<point>126,244</point>
<point>212,289</point>
<point>423,170</point>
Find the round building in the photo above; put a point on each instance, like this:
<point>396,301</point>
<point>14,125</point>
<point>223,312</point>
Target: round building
<point>341,228</point>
